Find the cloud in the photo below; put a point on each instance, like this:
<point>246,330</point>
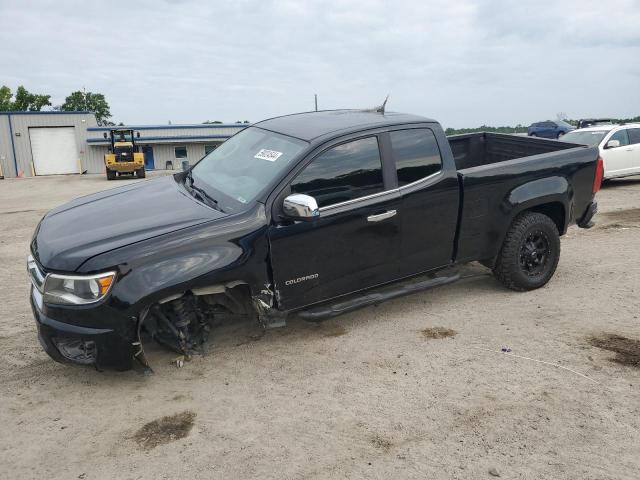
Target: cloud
<point>465,63</point>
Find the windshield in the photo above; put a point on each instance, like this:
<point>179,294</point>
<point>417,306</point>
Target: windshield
<point>244,165</point>
<point>585,137</point>
<point>562,123</point>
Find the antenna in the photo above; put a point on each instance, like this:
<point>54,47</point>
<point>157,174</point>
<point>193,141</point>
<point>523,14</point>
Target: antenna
<point>384,104</point>
<point>379,109</point>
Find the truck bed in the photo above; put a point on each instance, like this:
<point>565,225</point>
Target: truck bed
<point>506,173</point>
<point>476,149</point>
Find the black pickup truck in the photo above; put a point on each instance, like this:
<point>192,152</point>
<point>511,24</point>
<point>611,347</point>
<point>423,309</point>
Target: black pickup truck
<point>315,214</point>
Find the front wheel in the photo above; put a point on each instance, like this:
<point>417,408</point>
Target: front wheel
<point>140,173</point>
<point>111,174</point>
<point>530,253</point>
<point>560,134</point>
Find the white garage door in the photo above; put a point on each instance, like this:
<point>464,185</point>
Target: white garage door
<point>54,150</point>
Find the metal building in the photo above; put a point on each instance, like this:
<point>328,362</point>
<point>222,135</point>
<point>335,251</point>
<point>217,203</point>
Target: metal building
<point>44,143</point>
<point>50,143</point>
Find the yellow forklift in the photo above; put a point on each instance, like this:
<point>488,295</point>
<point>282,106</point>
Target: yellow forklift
<point>123,157</point>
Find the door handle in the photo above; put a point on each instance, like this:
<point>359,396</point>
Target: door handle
<point>381,216</point>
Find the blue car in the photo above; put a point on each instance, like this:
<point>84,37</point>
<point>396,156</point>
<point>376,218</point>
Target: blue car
<point>549,129</point>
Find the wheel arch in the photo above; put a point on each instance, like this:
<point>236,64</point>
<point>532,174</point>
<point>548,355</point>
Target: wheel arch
<point>549,196</point>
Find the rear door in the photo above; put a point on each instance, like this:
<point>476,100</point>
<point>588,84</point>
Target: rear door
<point>354,243</point>
<point>634,142</point>
<point>430,199</point>
<point>549,130</point>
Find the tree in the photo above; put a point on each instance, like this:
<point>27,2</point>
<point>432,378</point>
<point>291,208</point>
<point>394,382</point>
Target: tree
<point>24,100</point>
<point>88,102</point>
<point>5,98</point>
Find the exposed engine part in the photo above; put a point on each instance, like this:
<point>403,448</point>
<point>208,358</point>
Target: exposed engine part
<point>181,325</point>
<point>183,322</point>
<point>269,317</point>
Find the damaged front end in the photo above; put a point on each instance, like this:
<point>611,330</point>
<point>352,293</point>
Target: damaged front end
<point>182,322</point>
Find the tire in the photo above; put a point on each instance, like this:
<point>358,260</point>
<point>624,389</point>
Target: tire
<point>140,173</point>
<point>560,134</point>
<point>111,174</point>
<point>530,253</point>
<point>533,135</point>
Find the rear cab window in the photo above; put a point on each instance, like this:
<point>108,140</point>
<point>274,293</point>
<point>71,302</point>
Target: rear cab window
<point>345,172</point>
<point>416,154</point>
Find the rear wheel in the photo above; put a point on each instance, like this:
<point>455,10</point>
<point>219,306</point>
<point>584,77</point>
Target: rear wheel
<point>140,173</point>
<point>111,174</point>
<point>530,253</point>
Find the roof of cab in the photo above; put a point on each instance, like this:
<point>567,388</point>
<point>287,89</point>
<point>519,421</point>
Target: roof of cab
<point>311,125</point>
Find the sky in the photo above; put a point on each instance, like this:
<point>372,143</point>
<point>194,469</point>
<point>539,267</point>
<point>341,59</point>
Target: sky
<point>464,63</point>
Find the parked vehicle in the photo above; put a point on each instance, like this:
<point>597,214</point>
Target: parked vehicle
<point>619,147</point>
<point>549,129</point>
<point>124,156</point>
<point>315,214</point>
<point>590,122</point>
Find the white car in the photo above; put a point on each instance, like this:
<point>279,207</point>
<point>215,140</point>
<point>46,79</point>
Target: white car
<point>619,147</point>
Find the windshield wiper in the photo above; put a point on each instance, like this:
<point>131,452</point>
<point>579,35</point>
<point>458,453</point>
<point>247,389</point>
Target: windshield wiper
<point>204,196</point>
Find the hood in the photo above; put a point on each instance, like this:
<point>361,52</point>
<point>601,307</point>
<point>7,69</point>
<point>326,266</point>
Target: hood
<point>71,234</point>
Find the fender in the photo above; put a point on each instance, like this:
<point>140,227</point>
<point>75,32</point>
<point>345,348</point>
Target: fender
<point>551,195</point>
<point>482,233</point>
<point>227,250</point>
<point>550,190</point>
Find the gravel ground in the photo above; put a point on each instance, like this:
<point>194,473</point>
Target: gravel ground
<point>414,388</point>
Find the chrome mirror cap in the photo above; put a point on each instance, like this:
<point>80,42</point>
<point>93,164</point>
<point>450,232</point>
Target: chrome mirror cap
<point>300,207</point>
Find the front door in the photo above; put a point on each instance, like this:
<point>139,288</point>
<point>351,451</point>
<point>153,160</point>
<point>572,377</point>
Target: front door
<point>354,243</point>
<point>618,160</point>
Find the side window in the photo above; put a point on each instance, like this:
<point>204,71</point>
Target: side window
<point>634,135</point>
<point>416,154</point>
<point>621,136</point>
<point>348,171</point>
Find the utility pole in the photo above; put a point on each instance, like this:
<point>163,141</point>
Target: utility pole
<point>315,96</point>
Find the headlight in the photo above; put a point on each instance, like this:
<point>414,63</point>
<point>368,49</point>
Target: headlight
<point>76,290</point>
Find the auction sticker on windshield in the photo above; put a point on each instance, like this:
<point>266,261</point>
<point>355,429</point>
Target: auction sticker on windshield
<point>270,155</point>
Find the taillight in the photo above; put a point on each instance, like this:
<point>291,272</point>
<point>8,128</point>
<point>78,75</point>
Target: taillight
<point>597,180</point>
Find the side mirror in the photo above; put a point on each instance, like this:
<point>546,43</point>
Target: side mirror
<point>105,135</point>
<point>137,134</point>
<point>300,207</point>
<point>613,144</point>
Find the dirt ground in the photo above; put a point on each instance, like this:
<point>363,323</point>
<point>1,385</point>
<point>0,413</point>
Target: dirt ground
<point>417,387</point>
